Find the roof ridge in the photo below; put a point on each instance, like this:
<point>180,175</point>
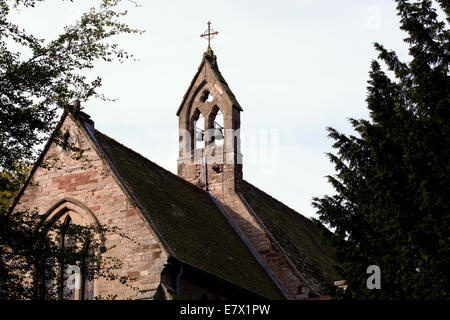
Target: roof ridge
<point>116,152</point>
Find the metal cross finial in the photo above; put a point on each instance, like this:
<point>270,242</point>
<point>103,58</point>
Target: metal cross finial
<point>210,33</point>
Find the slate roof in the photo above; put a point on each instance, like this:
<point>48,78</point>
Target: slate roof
<point>299,236</point>
<point>193,229</point>
<point>187,221</point>
<point>191,226</point>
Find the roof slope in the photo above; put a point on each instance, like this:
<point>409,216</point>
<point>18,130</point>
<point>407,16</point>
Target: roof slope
<point>300,237</point>
<point>187,220</point>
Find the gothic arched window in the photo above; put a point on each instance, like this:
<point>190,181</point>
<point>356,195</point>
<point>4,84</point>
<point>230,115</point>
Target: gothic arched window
<point>73,273</point>
<point>69,272</point>
<point>75,277</point>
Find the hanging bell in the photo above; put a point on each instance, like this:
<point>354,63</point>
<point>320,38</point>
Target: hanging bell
<point>199,135</point>
<point>218,134</point>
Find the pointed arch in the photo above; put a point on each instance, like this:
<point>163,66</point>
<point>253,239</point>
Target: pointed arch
<point>213,114</point>
<point>215,122</point>
<point>191,102</point>
<point>197,128</point>
<point>71,211</point>
<point>82,214</point>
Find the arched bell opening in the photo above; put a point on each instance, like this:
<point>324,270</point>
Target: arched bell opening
<point>197,129</point>
<point>216,131</point>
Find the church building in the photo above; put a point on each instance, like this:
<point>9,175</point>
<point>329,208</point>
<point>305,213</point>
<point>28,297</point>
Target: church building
<point>205,233</point>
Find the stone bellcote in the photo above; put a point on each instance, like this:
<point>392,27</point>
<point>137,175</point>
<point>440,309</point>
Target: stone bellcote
<point>209,131</point>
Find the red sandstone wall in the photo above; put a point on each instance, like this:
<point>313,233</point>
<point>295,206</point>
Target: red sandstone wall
<point>93,184</point>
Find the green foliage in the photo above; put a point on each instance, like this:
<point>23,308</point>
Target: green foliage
<point>34,259</point>
<point>391,208</point>
<point>33,88</point>
<point>10,183</point>
<point>37,80</point>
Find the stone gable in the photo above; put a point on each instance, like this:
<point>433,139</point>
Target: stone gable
<point>89,187</point>
<point>204,233</point>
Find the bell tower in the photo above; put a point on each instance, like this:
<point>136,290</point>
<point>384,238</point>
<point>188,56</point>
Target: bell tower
<point>209,131</point>
<point>210,158</point>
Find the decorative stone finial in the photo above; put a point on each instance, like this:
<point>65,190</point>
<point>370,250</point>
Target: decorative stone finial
<point>76,106</point>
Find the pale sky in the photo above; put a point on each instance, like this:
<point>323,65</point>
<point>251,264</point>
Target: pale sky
<point>295,67</point>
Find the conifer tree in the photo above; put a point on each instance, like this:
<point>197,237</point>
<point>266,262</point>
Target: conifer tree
<point>391,206</point>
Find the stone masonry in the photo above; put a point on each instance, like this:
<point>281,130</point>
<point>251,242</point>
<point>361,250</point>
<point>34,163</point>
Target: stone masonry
<point>89,192</point>
<point>212,170</point>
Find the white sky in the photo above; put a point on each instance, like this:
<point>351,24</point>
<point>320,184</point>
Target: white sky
<point>295,67</point>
